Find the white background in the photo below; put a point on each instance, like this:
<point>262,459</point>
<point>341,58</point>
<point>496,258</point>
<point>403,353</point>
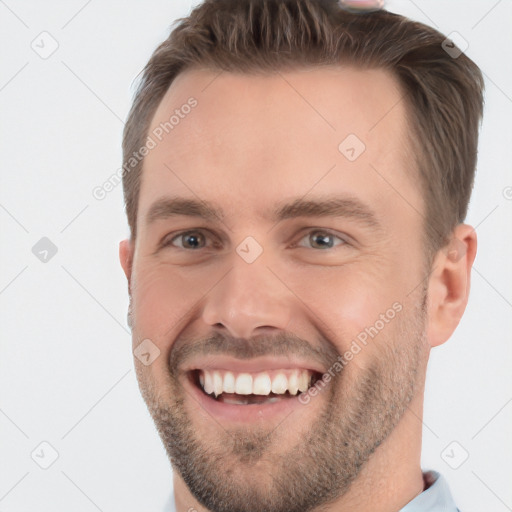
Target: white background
<point>66,370</point>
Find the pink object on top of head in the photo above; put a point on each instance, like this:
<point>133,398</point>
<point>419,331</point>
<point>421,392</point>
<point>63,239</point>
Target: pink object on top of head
<point>362,5</point>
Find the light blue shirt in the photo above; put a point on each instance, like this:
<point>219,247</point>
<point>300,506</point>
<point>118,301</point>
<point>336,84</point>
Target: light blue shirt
<point>437,498</point>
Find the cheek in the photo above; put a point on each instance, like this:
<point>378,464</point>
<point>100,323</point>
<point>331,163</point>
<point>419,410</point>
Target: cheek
<point>163,298</point>
<point>345,298</point>
<point>351,303</point>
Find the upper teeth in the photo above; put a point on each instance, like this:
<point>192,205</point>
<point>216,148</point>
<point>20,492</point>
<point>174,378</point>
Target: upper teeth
<point>263,383</point>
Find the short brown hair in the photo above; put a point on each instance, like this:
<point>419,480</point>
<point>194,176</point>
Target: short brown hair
<point>444,92</point>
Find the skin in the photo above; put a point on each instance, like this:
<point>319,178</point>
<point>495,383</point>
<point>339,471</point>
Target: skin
<point>249,144</point>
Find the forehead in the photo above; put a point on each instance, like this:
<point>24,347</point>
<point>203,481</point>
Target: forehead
<point>250,140</point>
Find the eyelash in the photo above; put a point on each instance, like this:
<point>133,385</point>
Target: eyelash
<point>169,243</point>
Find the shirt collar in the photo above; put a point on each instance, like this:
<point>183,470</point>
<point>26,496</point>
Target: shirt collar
<point>437,498</point>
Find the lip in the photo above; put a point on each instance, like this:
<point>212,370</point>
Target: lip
<point>242,414</point>
<point>256,365</point>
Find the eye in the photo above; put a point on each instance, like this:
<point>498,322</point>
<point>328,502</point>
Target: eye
<point>189,240</point>
<point>195,240</point>
<point>321,239</point>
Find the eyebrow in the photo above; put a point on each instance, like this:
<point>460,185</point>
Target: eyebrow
<point>330,206</point>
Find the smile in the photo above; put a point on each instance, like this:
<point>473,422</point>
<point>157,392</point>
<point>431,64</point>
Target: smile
<point>245,388</point>
<point>245,391</point>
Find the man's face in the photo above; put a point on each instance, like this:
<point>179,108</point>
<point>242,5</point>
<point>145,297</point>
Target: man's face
<point>274,290</point>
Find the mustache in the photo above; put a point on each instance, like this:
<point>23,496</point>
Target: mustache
<point>264,345</point>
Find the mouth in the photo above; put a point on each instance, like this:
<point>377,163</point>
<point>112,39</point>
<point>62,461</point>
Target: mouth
<point>253,388</point>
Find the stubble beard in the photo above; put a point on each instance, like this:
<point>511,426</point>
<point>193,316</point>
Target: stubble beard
<point>242,471</point>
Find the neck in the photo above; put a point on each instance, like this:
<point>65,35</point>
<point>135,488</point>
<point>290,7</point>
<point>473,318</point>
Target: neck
<point>388,481</point>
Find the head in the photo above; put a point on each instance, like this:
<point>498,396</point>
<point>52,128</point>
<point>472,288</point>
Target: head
<point>320,164</point>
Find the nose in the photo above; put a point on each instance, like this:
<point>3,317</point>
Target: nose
<point>248,300</point>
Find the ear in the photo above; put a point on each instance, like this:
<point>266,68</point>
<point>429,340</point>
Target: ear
<point>449,283</point>
<point>126,249</point>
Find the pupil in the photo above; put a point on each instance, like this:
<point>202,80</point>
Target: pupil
<point>192,240</point>
<point>323,239</point>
